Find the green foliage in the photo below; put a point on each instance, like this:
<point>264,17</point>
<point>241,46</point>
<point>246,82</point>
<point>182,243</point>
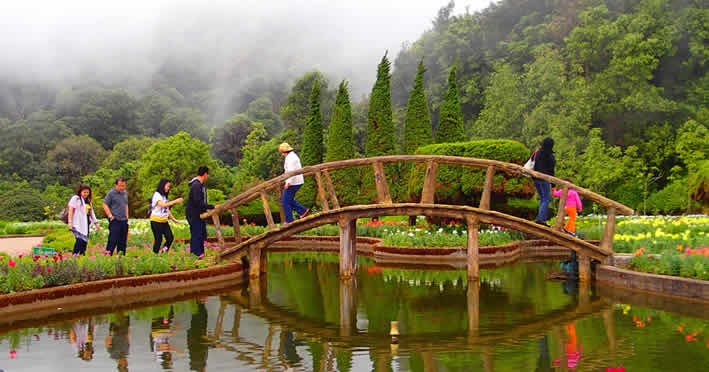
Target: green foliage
<point>229,138</point>
<point>418,130</point>
<point>295,110</point>
<point>380,128</point>
<point>74,157</point>
<point>22,204</point>
<point>184,119</point>
<point>313,136</point>
<point>176,158</point>
<point>341,146</point>
<point>458,184</point>
<point>699,184</point>
<point>670,200</point>
<point>450,122</point>
<point>132,149</point>
<point>261,110</point>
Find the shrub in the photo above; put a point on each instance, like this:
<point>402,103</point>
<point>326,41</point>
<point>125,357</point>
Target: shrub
<point>24,204</point>
<point>463,185</point>
<point>670,200</point>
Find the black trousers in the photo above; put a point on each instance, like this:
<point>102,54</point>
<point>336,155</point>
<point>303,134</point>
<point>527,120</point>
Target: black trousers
<point>79,247</point>
<point>117,236</point>
<point>160,229</point>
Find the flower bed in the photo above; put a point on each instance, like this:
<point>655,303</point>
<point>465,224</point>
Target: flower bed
<point>34,272</point>
<point>655,234</point>
<point>680,261</point>
<point>29,228</point>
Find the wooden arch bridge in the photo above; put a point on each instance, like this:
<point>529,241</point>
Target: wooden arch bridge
<point>346,216</point>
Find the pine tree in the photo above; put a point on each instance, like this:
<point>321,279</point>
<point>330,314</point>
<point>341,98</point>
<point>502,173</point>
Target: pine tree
<point>380,127</point>
<point>312,152</point>
<point>340,144</point>
<point>450,122</point>
<point>417,129</point>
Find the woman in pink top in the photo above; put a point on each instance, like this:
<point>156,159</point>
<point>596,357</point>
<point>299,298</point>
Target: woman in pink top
<point>573,205</point>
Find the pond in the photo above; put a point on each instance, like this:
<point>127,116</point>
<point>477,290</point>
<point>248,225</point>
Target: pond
<point>301,317</point>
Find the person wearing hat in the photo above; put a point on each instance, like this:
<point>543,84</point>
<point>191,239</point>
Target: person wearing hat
<point>293,183</point>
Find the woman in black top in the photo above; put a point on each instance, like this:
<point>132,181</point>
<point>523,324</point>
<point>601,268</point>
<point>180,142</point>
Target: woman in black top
<point>544,163</point>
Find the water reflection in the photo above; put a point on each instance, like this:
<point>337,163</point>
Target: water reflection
<point>301,317</point>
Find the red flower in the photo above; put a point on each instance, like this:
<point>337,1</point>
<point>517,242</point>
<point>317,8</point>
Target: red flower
<point>13,354</point>
<point>49,269</point>
<point>12,263</point>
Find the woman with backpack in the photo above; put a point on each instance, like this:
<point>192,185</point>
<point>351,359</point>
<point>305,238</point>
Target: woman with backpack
<point>80,215</point>
<point>160,213</point>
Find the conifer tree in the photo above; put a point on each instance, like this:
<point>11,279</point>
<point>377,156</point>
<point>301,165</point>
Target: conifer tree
<point>417,128</point>
<point>340,144</point>
<point>312,152</point>
<point>380,127</point>
<point>450,122</point>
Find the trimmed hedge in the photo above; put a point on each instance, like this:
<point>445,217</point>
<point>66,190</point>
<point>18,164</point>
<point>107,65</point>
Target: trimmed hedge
<point>463,185</point>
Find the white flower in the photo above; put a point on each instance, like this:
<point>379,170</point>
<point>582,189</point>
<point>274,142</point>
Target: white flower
<point>411,234</point>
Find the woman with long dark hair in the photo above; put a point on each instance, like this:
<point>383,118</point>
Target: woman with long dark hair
<point>544,163</point>
<point>160,213</point>
<point>80,216</point>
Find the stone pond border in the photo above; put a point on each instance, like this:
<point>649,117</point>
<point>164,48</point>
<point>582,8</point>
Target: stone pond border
<point>665,285</point>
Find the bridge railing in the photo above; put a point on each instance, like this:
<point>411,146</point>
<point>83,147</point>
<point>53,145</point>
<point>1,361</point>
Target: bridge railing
<point>328,198</point>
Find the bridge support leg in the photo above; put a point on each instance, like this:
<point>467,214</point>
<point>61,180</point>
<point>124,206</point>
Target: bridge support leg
<point>473,251</point>
<point>256,286</point>
<point>584,268</point>
<point>255,264</point>
<point>473,297</point>
<point>348,254</point>
<point>348,306</point>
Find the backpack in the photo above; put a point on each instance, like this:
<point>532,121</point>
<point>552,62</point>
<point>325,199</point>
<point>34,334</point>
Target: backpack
<point>64,215</point>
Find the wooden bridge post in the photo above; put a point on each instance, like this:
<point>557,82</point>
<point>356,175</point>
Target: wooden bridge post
<point>237,229</point>
<point>429,183</point>
<point>348,253</point>
<point>473,297</point>
<point>562,209</point>
<point>380,180</point>
<point>473,248</point>
<point>267,210</point>
<point>321,192</point>
<point>487,190</point>
<point>608,232</point>
<point>348,306</point>
<point>331,189</point>
<point>281,213</point>
<point>255,261</point>
<point>609,323</point>
<point>255,292</point>
<point>218,228</point>
<point>584,269</point>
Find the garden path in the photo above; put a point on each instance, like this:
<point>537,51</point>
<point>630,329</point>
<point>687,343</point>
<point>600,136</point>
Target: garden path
<point>19,245</point>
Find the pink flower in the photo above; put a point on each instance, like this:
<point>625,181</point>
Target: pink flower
<point>13,354</point>
<point>12,263</point>
<point>49,269</point>
<point>164,321</point>
<point>92,258</point>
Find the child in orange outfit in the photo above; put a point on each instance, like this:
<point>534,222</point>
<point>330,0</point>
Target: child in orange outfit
<point>573,205</point>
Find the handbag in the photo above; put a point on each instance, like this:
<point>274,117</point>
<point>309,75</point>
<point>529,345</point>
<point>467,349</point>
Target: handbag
<point>64,215</point>
<point>530,162</point>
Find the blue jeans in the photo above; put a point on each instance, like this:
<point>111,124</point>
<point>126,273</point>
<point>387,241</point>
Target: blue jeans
<point>117,236</point>
<point>290,204</point>
<point>198,233</point>
<point>544,190</point>
<point>79,247</point>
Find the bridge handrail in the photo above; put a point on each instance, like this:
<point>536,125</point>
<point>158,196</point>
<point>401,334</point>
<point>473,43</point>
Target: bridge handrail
<point>508,168</point>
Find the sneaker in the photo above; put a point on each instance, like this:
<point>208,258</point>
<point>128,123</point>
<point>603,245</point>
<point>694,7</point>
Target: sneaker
<point>568,232</point>
<point>305,213</point>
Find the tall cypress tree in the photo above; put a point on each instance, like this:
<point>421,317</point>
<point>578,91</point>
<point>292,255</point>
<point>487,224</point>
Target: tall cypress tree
<point>380,127</point>
<point>417,128</point>
<point>340,143</point>
<point>450,123</point>
<point>313,136</point>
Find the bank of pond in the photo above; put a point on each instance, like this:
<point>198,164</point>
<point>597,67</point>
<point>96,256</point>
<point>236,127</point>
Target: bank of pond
<point>302,317</point>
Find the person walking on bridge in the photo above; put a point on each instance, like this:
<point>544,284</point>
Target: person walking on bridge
<point>293,183</point>
<point>196,205</point>
<point>544,163</point>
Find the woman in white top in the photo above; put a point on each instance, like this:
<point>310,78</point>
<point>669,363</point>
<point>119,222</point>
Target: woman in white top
<point>160,213</point>
<point>293,184</point>
<point>80,215</point>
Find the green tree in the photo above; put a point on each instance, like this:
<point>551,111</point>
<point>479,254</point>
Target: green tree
<point>295,111</point>
<point>380,128</point>
<point>340,143</point>
<point>313,137</point>
<point>109,116</point>
<point>417,131</point>
<point>74,157</point>
<point>450,123</point>
<point>152,112</point>
<point>261,110</point>
<point>131,149</point>
<point>176,158</point>
<point>184,119</point>
<point>229,138</point>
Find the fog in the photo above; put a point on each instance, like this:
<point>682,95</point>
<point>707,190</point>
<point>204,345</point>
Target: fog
<point>123,43</point>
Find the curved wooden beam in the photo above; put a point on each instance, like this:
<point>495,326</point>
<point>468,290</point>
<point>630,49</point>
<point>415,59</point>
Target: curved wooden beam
<point>460,212</point>
<point>498,166</point>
